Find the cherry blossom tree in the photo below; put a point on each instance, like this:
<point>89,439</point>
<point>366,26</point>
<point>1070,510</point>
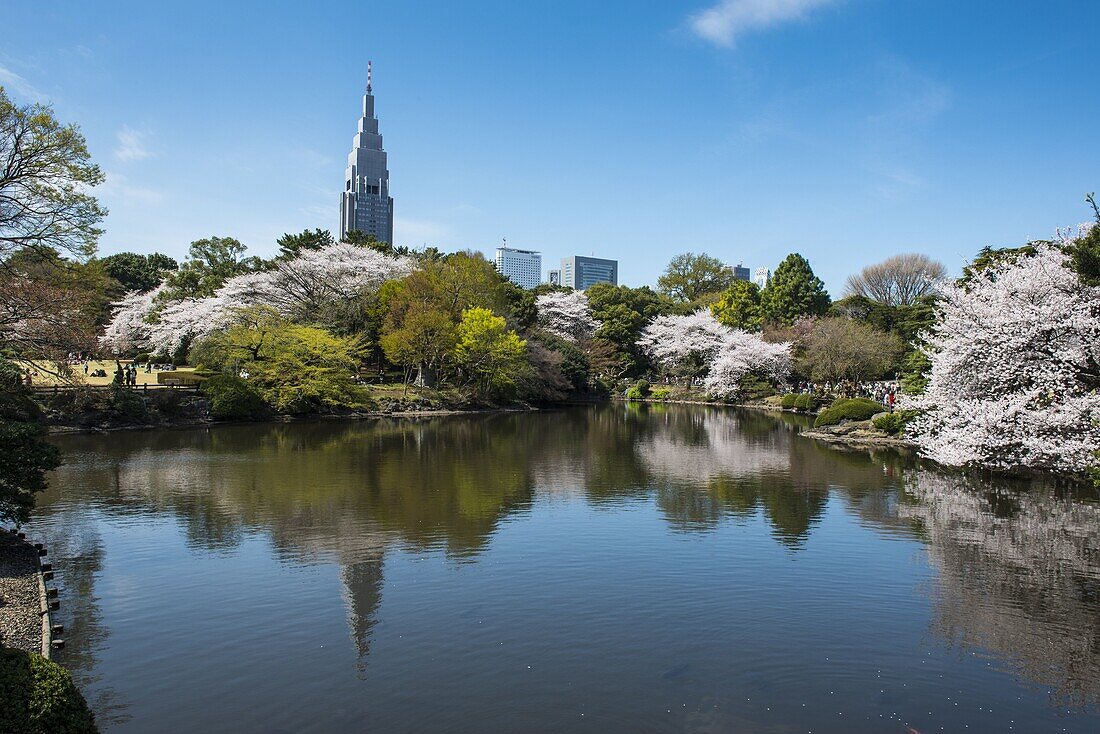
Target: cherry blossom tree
<point>566,313</point>
<point>297,289</point>
<point>128,329</point>
<point>745,354</point>
<point>1014,382</point>
<point>697,344</point>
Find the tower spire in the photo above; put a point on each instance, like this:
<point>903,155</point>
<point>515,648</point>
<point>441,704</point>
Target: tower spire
<point>368,77</point>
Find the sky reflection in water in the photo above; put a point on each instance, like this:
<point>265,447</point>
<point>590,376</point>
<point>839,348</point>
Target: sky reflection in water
<point>619,568</point>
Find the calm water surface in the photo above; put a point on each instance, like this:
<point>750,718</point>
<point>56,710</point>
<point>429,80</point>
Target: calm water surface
<point>616,569</point>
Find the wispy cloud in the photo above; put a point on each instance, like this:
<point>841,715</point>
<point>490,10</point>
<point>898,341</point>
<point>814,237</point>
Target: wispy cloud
<point>132,145</point>
<point>20,86</point>
<point>118,189</point>
<point>722,23</point>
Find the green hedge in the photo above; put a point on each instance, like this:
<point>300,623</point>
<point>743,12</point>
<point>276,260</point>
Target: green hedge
<point>800,401</point>
<point>182,377</point>
<point>39,697</point>
<point>660,393</point>
<point>639,391</point>
<point>854,409</point>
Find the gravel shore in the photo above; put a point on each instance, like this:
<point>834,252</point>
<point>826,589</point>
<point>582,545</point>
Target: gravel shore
<point>20,613</point>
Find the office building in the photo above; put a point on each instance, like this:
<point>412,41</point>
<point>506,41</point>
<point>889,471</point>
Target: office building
<point>762,277</point>
<point>522,267</point>
<point>554,277</point>
<point>580,273</point>
<point>365,203</point>
<point>740,272</point>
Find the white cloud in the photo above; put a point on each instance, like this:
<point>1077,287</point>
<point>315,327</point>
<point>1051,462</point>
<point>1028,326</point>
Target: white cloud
<point>131,145</point>
<point>722,23</point>
<point>20,86</point>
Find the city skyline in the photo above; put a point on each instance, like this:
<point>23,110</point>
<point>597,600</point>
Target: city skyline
<point>846,131</point>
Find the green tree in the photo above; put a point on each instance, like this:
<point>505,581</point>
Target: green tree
<point>793,291</point>
<point>739,306</point>
<point>136,272</point>
<point>690,277</point>
<point>25,455</point>
<point>298,369</point>
<point>292,245</point>
<point>492,357</point>
<point>210,263</point>
<point>1084,253</point>
<point>622,313</point>
<point>422,340</point>
<point>362,239</point>
<point>45,174</point>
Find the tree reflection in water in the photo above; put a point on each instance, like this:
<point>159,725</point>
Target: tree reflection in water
<point>1019,575</point>
<point>1019,571</point>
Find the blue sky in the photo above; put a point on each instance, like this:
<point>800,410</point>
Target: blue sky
<point>847,130</point>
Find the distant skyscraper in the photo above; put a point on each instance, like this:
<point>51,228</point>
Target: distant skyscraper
<point>763,275</point>
<point>580,273</point>
<point>740,272</point>
<point>522,267</point>
<point>366,204</point>
<point>554,277</point>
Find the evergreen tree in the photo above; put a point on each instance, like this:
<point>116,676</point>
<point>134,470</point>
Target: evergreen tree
<point>794,291</point>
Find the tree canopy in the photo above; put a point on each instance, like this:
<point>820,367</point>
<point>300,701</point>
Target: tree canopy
<point>45,174</point>
<point>793,291</point>
<point>690,277</point>
<point>901,280</point>
<point>739,306</point>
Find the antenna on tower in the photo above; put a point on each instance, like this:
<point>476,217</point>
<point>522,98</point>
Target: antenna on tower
<point>369,73</point>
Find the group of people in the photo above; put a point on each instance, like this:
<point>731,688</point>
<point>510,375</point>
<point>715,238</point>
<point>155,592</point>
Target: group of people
<point>885,392</point>
<point>126,375</point>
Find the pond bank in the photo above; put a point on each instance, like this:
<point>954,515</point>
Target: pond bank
<point>856,434</point>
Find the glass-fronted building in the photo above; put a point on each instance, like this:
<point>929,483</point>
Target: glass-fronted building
<point>581,273</point>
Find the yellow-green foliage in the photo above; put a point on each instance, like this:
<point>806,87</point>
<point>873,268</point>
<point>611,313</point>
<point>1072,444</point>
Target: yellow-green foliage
<point>38,697</point>
<point>491,356</point>
<point>894,423</point>
<point>296,368</point>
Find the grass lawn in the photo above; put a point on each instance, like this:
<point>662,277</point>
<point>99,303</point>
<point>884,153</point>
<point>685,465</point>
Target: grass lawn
<point>43,377</point>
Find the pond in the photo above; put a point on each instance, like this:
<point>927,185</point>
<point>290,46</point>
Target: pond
<point>607,569</point>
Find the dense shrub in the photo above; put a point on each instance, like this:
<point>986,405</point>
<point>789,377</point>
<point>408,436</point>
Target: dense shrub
<point>805,402</point>
<point>128,404</point>
<point>661,393</point>
<point>232,398</point>
<point>638,391</point>
<point>789,400</point>
<point>854,409</point>
<point>38,697</point>
<point>894,423</point>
